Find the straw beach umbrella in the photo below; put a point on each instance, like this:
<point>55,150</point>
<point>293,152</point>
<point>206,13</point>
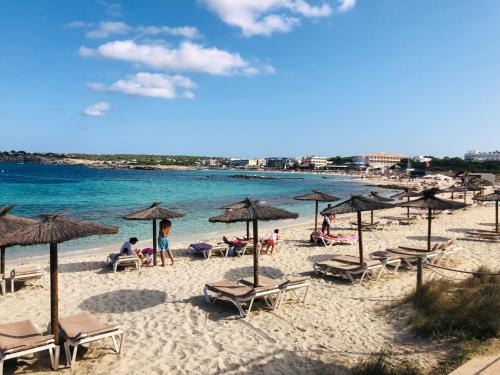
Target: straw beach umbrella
<point>493,197</point>
<point>317,196</point>
<point>358,204</point>
<point>375,196</point>
<point>454,189</point>
<point>472,188</point>
<point>153,212</point>
<point>53,229</point>
<point>235,206</point>
<point>408,193</point>
<point>430,202</point>
<point>254,211</point>
<point>9,223</point>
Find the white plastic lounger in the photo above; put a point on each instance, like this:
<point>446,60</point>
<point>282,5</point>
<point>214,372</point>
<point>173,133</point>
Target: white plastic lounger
<point>387,258</point>
<point>334,267</point>
<point>288,284</point>
<point>329,241</point>
<point>125,261</point>
<point>24,273</point>
<point>219,249</point>
<point>239,294</point>
<point>24,338</point>
<point>431,257</point>
<point>83,328</point>
<point>2,284</point>
<point>350,259</point>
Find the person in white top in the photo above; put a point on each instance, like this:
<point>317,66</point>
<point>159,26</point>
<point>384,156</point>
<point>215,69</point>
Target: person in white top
<point>271,242</point>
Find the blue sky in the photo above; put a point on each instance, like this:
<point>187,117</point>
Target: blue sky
<point>250,77</point>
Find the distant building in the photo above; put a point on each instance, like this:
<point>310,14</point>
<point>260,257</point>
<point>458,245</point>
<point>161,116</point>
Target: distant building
<point>482,156</point>
<point>377,160</point>
<point>246,163</point>
<point>314,161</point>
<point>279,163</point>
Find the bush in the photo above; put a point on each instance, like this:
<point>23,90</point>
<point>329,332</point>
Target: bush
<point>378,364</point>
<point>465,310</point>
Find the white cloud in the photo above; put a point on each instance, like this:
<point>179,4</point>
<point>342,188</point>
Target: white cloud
<point>264,17</point>
<point>151,85</point>
<point>112,9</point>
<point>105,29</point>
<point>78,25</point>
<point>346,5</point>
<point>188,56</point>
<point>188,32</point>
<point>98,109</point>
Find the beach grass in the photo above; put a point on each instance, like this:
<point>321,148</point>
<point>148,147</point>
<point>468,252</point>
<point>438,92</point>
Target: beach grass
<point>380,363</point>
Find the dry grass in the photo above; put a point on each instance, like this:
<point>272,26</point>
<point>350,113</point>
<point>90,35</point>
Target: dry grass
<point>380,364</point>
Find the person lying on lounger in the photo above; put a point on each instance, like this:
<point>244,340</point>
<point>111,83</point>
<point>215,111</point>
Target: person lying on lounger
<point>234,245</point>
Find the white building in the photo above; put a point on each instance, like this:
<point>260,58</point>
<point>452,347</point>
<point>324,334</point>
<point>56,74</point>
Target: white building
<point>377,160</point>
<point>482,156</point>
<point>316,161</point>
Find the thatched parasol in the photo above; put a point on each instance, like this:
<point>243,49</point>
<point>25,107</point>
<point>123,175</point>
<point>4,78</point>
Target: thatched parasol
<point>408,193</point>
<point>54,229</point>
<point>454,189</point>
<point>358,204</point>
<point>153,212</point>
<point>430,202</point>
<point>470,187</point>
<point>375,196</point>
<point>493,197</point>
<point>254,211</point>
<point>9,223</point>
<point>235,206</point>
<point>317,196</point>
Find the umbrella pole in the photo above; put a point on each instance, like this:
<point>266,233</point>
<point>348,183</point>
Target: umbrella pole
<point>408,210</point>
<point>316,217</point>
<point>360,239</point>
<point>154,243</point>
<point>54,293</point>
<point>429,224</point>
<point>465,197</point>
<point>248,230</point>
<point>372,217</point>
<point>2,259</point>
<point>496,215</point>
<point>255,254</point>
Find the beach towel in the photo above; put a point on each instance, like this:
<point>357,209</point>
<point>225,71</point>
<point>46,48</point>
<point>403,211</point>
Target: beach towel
<point>200,246</point>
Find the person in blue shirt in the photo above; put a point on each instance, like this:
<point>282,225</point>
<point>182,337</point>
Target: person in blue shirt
<point>163,242</point>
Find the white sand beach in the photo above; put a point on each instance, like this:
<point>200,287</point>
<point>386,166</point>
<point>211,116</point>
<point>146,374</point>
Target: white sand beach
<point>170,330</point>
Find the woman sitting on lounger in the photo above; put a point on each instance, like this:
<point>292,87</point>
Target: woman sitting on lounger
<point>271,242</point>
<point>234,245</point>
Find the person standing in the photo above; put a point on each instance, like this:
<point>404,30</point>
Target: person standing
<point>327,222</point>
<point>164,243</point>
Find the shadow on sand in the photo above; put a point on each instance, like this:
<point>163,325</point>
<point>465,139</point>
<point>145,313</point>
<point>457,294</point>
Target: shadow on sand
<point>124,300</point>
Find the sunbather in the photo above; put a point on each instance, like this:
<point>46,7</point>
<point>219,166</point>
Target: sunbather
<point>127,249</point>
<point>234,245</point>
<point>270,242</point>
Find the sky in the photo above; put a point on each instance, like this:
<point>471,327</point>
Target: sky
<point>247,78</point>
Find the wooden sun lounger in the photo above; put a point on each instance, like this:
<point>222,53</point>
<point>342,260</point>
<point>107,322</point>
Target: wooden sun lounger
<point>366,227</point>
<point>239,294</point>
<point>336,267</point>
<point>219,249</point>
<point>286,284</point>
<point>407,260</point>
<point>432,257</point>
<point>23,338</point>
<point>394,262</point>
<point>481,234</point>
<point>24,273</point>
<point>125,261</point>
<point>83,328</point>
<point>329,241</point>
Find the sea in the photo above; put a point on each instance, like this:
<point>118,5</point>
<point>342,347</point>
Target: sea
<point>106,195</point>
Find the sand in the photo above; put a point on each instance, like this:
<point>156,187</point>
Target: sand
<point>170,329</point>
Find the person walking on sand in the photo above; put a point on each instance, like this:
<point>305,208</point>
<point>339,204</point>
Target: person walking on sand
<point>163,242</point>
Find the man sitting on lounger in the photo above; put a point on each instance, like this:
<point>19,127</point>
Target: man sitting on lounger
<point>127,249</point>
<point>234,245</point>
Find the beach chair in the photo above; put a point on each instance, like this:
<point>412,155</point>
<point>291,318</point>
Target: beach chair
<point>23,338</point>
<point>240,294</point>
<point>482,235</point>
<point>207,250</point>
<point>366,227</point>
<point>373,268</point>
<point>124,261</point>
<point>84,328</point>
<point>2,284</point>
<point>430,257</point>
<point>288,284</point>
<point>328,241</point>
<point>390,259</point>
<point>24,273</point>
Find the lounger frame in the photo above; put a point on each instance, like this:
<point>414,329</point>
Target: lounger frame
<point>48,345</point>
<point>24,277</point>
<point>84,338</point>
<point>292,289</point>
<point>125,261</point>
<point>272,303</point>
<point>222,250</point>
<point>374,271</point>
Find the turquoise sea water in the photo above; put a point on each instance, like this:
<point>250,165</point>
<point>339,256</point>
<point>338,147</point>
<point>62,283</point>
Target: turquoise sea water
<point>105,195</point>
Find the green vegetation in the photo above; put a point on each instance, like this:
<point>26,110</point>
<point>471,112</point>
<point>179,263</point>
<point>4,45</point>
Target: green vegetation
<point>143,159</point>
<point>340,160</point>
<point>379,364</point>
<point>455,165</point>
